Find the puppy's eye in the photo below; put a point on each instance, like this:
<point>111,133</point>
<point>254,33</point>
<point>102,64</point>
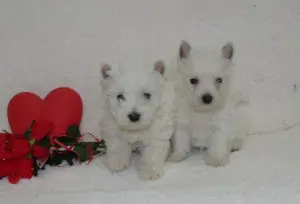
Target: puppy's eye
<point>120,97</point>
<point>147,96</point>
<point>219,80</point>
<point>194,81</point>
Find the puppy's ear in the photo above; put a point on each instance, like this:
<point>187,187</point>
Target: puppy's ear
<point>184,50</point>
<point>159,67</point>
<point>228,51</point>
<point>105,71</point>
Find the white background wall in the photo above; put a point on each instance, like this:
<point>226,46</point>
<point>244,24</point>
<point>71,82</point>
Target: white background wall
<point>49,43</point>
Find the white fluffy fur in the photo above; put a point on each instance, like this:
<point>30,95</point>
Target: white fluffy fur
<point>219,127</point>
<point>151,135</point>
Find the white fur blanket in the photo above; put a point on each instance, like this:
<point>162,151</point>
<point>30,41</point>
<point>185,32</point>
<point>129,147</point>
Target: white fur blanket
<point>265,171</point>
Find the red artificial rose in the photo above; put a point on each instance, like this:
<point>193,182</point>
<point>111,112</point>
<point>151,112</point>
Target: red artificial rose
<point>16,169</point>
<point>13,147</point>
<point>40,152</point>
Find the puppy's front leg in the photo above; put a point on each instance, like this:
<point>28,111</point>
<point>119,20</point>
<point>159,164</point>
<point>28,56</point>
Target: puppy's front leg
<point>181,145</point>
<point>218,150</point>
<point>118,154</point>
<point>153,159</point>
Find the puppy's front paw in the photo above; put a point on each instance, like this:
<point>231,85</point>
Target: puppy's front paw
<point>148,173</point>
<point>178,156</point>
<point>117,163</point>
<point>216,161</point>
<point>236,145</point>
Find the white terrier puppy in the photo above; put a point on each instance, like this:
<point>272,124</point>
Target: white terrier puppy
<point>208,113</point>
<point>139,113</point>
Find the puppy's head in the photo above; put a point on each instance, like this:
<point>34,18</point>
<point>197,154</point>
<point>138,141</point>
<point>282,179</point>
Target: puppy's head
<point>133,95</point>
<point>206,75</point>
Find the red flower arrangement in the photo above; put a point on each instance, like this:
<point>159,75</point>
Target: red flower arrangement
<point>44,131</point>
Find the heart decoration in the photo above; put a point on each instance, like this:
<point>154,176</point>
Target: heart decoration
<point>61,108</point>
<point>52,116</point>
<point>40,128</point>
<point>22,109</point>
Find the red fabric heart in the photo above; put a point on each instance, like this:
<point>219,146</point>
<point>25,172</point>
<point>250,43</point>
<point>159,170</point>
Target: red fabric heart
<point>22,109</point>
<point>61,108</point>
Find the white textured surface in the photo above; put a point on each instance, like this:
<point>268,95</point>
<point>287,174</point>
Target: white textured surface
<point>266,171</point>
<point>45,44</point>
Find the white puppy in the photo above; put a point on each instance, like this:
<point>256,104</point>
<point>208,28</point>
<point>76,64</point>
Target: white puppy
<point>138,113</point>
<point>208,111</point>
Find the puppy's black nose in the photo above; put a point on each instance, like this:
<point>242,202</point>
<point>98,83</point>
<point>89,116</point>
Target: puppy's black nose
<point>134,116</point>
<point>207,98</point>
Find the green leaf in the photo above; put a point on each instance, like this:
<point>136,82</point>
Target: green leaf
<point>83,151</point>
<point>45,142</point>
<point>32,124</point>
<point>67,140</point>
<point>73,130</point>
<point>28,131</point>
<point>98,148</point>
